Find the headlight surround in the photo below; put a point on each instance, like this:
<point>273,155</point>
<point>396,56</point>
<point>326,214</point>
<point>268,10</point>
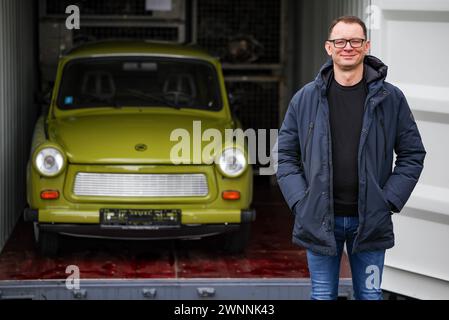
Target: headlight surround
<point>232,162</point>
<point>49,161</point>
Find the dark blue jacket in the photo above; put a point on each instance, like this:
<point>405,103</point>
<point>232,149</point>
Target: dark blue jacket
<point>305,162</point>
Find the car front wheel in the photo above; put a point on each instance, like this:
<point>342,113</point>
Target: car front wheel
<point>48,243</point>
<point>236,242</point>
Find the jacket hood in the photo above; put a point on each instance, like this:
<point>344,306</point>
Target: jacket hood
<point>375,70</point>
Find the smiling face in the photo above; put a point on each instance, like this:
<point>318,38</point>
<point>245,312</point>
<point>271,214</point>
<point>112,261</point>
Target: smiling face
<point>347,58</point>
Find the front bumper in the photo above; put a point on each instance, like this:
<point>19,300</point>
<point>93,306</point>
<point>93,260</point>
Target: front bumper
<point>185,231</point>
<point>191,215</point>
<point>97,231</point>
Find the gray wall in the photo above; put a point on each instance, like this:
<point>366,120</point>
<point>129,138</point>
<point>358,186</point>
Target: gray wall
<point>17,112</point>
<point>308,22</point>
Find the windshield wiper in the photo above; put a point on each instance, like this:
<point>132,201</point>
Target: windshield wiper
<point>112,100</point>
<point>149,97</point>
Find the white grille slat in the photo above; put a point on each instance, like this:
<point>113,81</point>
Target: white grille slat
<point>140,185</point>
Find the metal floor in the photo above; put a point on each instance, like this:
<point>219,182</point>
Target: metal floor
<point>271,268</point>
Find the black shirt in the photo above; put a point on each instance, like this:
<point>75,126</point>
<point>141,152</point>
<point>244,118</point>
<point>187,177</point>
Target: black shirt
<point>346,108</point>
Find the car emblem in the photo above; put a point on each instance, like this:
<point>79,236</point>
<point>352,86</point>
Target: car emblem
<point>140,147</point>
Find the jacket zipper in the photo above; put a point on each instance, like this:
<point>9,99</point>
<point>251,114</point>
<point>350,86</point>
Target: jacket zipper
<point>307,140</point>
<point>385,138</point>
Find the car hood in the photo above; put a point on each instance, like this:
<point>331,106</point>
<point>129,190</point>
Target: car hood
<point>114,139</point>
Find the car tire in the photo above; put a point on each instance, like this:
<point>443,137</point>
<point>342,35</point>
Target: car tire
<point>236,242</point>
<point>48,244</point>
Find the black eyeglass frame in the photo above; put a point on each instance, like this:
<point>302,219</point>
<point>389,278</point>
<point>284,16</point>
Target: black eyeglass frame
<point>346,42</point>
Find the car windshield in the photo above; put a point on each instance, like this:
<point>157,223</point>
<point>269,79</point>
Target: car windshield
<point>117,82</point>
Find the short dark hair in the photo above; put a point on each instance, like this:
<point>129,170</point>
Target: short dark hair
<point>348,19</point>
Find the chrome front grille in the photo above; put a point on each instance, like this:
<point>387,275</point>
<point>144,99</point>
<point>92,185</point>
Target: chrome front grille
<point>140,185</point>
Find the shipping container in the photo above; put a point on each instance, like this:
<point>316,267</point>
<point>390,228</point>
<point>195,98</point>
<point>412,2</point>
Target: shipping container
<point>268,49</point>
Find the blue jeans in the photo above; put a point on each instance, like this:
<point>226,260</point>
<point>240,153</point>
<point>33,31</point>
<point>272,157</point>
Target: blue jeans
<point>366,267</point>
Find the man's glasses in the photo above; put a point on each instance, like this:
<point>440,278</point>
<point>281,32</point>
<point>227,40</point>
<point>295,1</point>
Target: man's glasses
<point>341,43</point>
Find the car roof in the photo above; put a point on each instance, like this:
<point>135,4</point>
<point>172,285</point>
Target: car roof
<point>119,47</point>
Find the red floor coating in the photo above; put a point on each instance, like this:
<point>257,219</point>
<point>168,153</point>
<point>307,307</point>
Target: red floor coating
<point>270,253</point>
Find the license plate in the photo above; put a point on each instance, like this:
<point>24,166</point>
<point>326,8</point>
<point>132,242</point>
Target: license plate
<point>140,218</point>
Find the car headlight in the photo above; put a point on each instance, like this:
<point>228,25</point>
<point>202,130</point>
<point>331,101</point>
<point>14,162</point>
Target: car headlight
<point>49,161</point>
<point>232,162</point>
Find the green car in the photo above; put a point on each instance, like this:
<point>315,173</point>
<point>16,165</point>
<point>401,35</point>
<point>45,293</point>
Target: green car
<point>125,151</point>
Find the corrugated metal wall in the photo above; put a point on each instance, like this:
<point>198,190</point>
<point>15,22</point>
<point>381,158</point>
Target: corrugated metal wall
<point>307,31</point>
<point>17,110</point>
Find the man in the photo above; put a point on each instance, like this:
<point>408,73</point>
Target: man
<point>335,156</point>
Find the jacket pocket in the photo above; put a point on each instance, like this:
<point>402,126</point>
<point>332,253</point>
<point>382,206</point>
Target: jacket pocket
<point>309,134</point>
<point>298,204</point>
<point>378,199</point>
<point>387,204</point>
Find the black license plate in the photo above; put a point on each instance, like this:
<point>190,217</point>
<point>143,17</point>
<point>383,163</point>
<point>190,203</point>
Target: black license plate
<point>140,218</point>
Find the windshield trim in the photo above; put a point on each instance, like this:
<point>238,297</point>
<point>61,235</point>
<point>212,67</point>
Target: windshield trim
<point>156,57</point>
